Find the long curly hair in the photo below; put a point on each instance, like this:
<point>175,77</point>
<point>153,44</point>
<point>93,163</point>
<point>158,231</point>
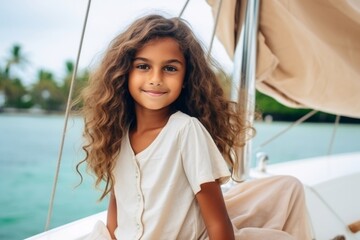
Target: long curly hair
<point>109,109</point>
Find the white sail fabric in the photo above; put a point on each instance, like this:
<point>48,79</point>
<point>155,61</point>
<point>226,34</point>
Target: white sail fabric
<point>308,51</point>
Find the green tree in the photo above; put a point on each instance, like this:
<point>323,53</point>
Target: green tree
<point>17,58</point>
<point>11,87</point>
<point>16,94</point>
<point>269,106</point>
<point>80,82</point>
<point>2,79</point>
<point>46,93</point>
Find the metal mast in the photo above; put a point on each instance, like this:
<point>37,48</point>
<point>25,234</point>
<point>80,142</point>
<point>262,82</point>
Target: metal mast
<point>243,79</point>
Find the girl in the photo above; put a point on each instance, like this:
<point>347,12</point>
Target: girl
<point>161,134</point>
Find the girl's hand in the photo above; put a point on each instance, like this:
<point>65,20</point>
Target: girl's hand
<point>214,213</point>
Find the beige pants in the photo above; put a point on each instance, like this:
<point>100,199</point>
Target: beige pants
<point>268,208</point>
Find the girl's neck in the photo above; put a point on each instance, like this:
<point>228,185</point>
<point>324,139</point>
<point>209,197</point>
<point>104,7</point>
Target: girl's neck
<point>150,120</point>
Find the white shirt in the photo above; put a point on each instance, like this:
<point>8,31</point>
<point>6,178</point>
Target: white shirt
<point>155,189</point>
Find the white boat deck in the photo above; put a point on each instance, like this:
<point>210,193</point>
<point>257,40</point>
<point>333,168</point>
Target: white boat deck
<point>332,188</point>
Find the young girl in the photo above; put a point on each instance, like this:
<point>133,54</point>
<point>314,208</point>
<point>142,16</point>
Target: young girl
<point>161,134</point>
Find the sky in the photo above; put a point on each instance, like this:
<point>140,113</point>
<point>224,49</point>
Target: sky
<point>49,31</point>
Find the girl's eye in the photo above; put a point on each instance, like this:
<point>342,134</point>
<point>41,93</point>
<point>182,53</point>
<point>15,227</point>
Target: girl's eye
<point>170,69</point>
<point>143,66</point>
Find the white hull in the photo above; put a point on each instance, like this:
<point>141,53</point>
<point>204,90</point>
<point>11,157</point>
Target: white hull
<point>332,195</point>
<point>332,188</point>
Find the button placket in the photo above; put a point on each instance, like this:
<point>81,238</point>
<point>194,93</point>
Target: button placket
<point>140,203</point>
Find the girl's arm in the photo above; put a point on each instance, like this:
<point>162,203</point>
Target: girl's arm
<point>213,211</point>
<point>112,215</point>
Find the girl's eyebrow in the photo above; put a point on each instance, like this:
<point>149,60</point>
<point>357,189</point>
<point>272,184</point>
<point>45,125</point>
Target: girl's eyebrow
<point>167,61</point>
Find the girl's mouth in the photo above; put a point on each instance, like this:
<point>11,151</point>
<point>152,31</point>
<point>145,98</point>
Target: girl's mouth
<point>154,93</point>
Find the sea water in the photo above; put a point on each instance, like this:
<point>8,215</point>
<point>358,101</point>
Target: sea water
<point>29,148</point>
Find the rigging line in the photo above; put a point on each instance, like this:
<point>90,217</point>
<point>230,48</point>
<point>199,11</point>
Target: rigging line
<point>183,9</point>
<point>326,204</point>
<point>214,29</point>
<point>331,144</point>
<point>67,111</point>
<point>297,122</point>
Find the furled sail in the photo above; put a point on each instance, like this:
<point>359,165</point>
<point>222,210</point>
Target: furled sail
<point>308,51</point>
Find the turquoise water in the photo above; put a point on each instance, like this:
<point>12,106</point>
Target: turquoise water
<point>29,146</point>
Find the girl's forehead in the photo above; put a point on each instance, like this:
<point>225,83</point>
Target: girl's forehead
<point>161,40</point>
<point>165,46</point>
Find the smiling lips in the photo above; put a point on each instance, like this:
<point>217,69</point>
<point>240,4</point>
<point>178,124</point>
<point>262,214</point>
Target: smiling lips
<point>154,93</point>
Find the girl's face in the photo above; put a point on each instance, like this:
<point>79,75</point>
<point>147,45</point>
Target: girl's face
<point>157,74</point>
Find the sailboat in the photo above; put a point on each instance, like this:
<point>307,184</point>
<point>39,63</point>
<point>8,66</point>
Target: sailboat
<point>307,55</point>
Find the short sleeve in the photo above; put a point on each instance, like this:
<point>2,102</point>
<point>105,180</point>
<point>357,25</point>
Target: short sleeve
<point>202,160</point>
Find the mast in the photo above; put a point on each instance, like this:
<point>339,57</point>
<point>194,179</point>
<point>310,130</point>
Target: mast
<point>243,78</point>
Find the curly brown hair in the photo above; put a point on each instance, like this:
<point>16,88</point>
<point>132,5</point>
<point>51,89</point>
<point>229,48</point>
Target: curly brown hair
<point>109,109</point>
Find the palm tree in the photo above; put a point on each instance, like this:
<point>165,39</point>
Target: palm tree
<point>46,93</point>
<point>16,58</point>
<point>12,90</point>
<point>80,82</point>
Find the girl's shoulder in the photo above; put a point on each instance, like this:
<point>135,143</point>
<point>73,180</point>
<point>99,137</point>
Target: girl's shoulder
<point>186,124</point>
<point>180,116</point>
<point>183,120</point>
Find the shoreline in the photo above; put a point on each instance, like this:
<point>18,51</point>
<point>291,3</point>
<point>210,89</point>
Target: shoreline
<point>34,112</point>
<point>267,118</point>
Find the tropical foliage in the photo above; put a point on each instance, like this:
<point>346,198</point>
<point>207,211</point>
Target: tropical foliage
<point>46,93</point>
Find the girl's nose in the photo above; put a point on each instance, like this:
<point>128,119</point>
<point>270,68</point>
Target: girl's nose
<point>156,78</point>
<point>155,83</point>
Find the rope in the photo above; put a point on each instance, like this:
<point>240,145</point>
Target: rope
<point>297,122</point>
<point>336,124</point>
<point>214,28</point>
<point>183,9</point>
<point>68,105</point>
<point>337,216</point>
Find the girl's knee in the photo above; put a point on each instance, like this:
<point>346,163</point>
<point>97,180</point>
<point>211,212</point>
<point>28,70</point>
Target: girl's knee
<point>288,180</point>
<point>289,183</point>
